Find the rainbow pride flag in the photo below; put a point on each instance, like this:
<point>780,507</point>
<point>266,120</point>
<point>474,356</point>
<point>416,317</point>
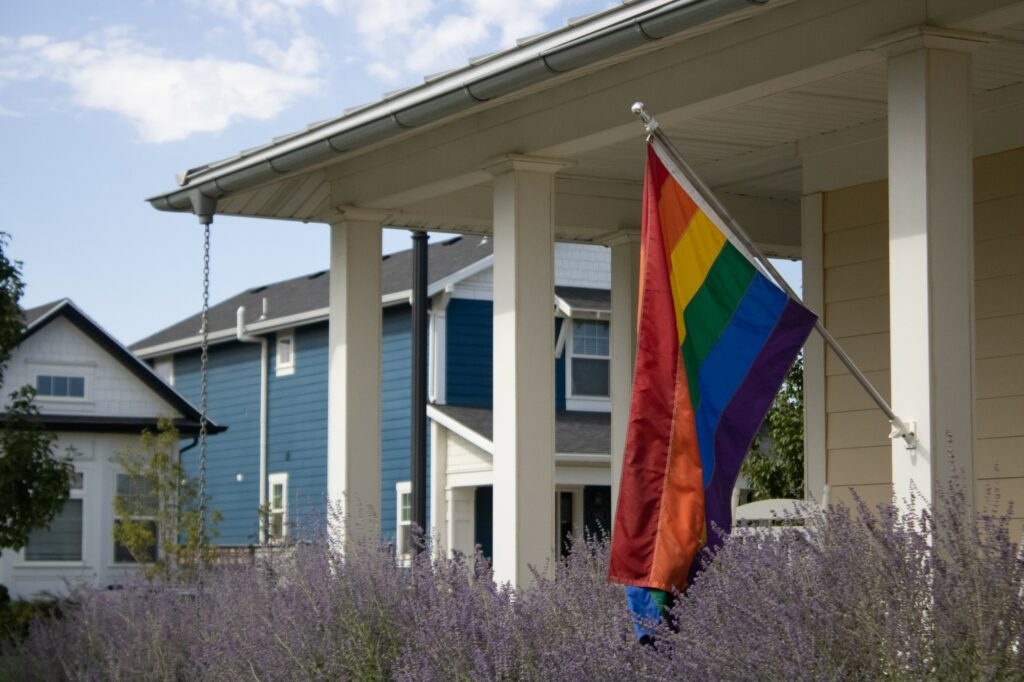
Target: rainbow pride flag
<point>715,339</point>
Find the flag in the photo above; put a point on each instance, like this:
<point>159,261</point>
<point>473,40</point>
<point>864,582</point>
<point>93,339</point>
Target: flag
<point>715,339</point>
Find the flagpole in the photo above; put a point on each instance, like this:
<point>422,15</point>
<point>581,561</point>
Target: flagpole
<point>899,427</point>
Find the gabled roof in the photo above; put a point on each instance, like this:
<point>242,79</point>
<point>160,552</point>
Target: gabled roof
<point>39,317</point>
<point>575,432</point>
<point>304,300</point>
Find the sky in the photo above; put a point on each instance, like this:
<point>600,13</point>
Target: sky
<point>101,103</point>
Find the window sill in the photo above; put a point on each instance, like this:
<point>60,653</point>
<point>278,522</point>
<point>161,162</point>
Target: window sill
<point>587,404</point>
<point>27,565</point>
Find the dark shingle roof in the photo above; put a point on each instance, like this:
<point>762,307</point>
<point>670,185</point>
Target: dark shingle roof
<point>580,298</point>
<point>575,432</point>
<point>310,292</point>
<point>33,314</point>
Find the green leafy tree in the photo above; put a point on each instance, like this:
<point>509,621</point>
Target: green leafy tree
<point>34,484</point>
<point>157,517</point>
<point>775,465</point>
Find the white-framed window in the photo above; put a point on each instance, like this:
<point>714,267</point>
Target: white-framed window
<point>62,539</point>
<point>403,519</point>
<point>277,506</point>
<point>138,497</point>
<point>285,353</point>
<point>588,361</point>
<point>60,386</point>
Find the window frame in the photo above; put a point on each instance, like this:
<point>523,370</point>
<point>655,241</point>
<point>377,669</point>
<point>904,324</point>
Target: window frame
<point>68,371</point>
<point>136,517</point>
<point>75,493</point>
<point>284,368</point>
<point>583,402</point>
<point>278,478</point>
<point>403,527</point>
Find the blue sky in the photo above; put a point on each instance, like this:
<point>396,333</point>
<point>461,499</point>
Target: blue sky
<point>101,103</point>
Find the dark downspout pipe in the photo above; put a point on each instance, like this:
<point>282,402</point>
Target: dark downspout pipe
<point>419,381</point>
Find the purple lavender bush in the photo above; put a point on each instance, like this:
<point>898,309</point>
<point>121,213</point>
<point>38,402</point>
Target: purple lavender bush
<point>859,594</point>
<point>863,594</point>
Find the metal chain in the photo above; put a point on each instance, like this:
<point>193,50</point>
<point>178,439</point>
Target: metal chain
<point>203,363</point>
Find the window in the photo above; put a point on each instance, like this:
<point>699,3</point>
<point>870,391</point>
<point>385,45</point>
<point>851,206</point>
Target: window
<point>137,496</point>
<point>403,527</point>
<point>285,364</point>
<point>588,361</point>
<point>60,386</point>
<point>62,539</point>
<point>277,507</point>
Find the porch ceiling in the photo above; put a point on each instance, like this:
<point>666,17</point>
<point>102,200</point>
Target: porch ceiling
<point>749,151</point>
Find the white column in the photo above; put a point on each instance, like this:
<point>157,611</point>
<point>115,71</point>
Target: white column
<point>524,369</point>
<point>353,388</point>
<point>625,294</point>
<point>438,482</point>
<point>931,258</point>
<point>812,260</point>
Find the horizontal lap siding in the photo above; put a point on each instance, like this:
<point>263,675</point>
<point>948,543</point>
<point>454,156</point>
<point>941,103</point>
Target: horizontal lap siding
<point>857,309</point>
<point>233,401</point>
<point>297,428</point>
<point>470,352</point>
<point>396,412</point>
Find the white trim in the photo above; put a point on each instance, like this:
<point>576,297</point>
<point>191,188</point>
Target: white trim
<point>279,478</point>
<point>585,403</point>
<point>67,370</point>
<point>460,429</point>
<point>815,415</point>
<point>73,494</point>
<point>284,368</point>
<point>402,528</point>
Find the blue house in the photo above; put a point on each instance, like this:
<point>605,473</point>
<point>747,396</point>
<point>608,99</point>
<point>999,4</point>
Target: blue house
<point>268,363</point>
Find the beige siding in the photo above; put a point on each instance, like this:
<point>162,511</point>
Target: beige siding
<point>857,312</point>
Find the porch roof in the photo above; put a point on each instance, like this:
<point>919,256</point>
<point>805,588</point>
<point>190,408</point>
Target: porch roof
<point>749,92</point>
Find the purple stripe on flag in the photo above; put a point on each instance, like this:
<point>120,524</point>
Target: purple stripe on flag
<point>742,417</point>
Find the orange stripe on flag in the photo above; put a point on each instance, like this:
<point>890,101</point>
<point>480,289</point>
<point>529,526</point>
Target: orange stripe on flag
<point>681,530</point>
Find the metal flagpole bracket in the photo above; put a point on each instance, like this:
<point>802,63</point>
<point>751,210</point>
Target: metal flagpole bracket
<point>659,140</point>
<point>640,110</point>
<point>904,430</point>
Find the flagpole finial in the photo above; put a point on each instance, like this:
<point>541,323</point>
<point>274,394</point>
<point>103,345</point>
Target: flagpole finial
<point>640,110</point>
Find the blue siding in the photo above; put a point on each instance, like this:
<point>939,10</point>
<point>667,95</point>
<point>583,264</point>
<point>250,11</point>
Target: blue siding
<point>396,412</point>
<point>297,427</point>
<point>233,401</point>
<point>470,351</point>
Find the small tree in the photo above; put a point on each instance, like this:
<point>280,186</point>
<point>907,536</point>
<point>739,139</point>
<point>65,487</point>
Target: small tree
<point>776,468</point>
<point>157,520</point>
<point>33,483</point>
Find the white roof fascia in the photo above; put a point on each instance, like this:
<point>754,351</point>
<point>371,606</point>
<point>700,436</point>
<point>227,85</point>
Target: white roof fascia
<point>459,275</point>
<point>460,429</point>
<point>502,61</point>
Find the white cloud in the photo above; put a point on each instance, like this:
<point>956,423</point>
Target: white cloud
<point>417,37</point>
<point>383,72</point>
<point>165,98</point>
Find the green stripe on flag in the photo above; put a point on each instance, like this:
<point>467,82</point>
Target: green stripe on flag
<point>711,309</point>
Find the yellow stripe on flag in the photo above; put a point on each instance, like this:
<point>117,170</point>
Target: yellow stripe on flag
<point>690,260</point>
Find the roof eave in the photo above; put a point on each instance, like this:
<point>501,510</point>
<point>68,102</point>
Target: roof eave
<point>605,35</point>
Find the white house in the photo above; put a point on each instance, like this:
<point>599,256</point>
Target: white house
<point>880,141</point>
<point>97,398</point>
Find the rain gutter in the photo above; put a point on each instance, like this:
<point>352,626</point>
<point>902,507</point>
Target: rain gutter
<point>533,62</point>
